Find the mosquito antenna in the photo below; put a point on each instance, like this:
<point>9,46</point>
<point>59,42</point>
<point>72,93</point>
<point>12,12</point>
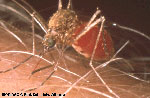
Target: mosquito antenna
<point>59,5</point>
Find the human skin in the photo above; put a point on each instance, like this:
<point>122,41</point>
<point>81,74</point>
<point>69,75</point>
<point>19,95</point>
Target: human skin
<point>18,79</point>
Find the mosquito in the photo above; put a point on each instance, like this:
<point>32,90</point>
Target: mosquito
<point>65,28</point>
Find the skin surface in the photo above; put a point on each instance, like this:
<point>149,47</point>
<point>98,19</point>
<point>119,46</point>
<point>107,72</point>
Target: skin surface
<point>18,79</point>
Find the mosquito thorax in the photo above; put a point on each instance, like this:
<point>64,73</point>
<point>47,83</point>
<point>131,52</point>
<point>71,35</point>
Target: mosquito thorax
<point>61,27</point>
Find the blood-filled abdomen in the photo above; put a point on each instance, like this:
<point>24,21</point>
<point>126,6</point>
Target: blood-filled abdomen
<point>85,44</point>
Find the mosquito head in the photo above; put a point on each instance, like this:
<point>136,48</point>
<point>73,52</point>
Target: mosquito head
<point>61,26</point>
<point>49,42</point>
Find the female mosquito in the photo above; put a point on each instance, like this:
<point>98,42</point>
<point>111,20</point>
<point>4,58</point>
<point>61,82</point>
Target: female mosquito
<point>65,28</point>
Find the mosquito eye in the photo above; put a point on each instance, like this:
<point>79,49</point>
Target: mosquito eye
<point>51,42</point>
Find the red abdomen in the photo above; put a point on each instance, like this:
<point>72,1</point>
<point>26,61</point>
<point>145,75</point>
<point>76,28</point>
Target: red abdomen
<point>86,43</point>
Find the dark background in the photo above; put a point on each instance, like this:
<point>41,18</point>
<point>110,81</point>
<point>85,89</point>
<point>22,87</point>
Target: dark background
<point>131,13</point>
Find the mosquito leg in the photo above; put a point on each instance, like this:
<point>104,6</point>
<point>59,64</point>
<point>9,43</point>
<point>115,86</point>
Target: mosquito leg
<point>12,33</point>
<point>93,17</point>
<point>15,11</point>
<point>35,68</point>
<point>39,20</point>
<point>91,61</point>
<point>17,65</point>
<point>33,34</point>
<point>97,40</point>
<point>90,24</point>
<point>41,55</point>
<point>55,69</point>
<point>34,71</point>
